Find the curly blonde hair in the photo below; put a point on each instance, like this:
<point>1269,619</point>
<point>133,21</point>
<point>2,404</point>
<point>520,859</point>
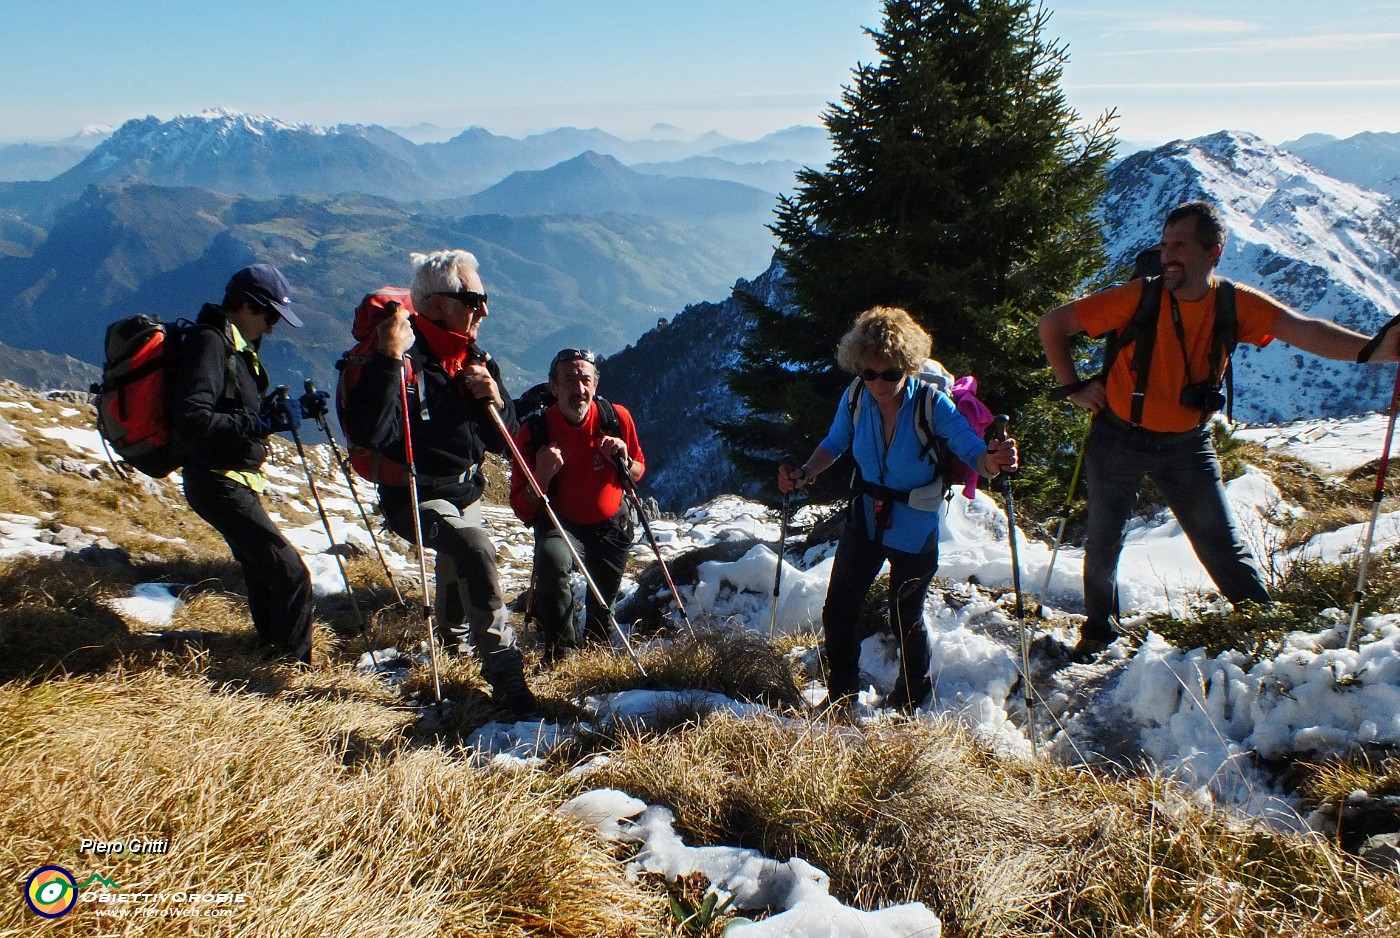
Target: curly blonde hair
<point>888,333</point>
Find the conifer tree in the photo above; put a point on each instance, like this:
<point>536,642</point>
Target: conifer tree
<point>963,188</point>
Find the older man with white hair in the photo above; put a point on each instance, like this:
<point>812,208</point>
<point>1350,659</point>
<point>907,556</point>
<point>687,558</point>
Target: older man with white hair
<point>451,383</point>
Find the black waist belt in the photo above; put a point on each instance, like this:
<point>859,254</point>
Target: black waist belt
<point>1117,422</point>
<point>861,487</point>
<point>883,498</point>
<point>433,482</point>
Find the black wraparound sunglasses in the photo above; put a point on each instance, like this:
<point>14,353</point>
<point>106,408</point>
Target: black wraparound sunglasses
<point>889,374</point>
<point>468,298</point>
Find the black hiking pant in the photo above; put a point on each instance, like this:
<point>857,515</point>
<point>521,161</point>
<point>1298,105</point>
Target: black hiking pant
<point>604,548</point>
<point>858,562</point>
<point>279,585</point>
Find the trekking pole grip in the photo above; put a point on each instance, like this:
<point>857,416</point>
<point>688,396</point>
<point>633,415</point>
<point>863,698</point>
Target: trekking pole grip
<point>624,474</point>
<point>995,433</point>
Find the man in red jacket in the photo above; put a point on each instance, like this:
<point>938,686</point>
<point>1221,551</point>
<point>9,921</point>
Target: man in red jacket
<point>580,447</point>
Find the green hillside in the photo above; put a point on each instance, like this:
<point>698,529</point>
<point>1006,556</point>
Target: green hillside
<point>554,280</point>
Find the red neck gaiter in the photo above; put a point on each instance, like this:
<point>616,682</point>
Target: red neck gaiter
<point>450,348</point>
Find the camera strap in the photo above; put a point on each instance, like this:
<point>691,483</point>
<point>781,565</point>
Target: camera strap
<point>1142,333</point>
<point>1181,338</point>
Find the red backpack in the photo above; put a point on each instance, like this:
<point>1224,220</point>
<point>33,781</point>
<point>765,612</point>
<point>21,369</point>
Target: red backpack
<point>369,463</point>
<point>133,399</point>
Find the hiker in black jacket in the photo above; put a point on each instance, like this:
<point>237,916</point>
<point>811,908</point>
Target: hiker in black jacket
<point>220,408</point>
<point>451,385</point>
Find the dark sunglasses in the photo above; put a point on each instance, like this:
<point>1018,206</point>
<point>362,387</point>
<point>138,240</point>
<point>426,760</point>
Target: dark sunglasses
<point>467,298</point>
<point>269,313</point>
<point>889,374</point>
<point>574,355</point>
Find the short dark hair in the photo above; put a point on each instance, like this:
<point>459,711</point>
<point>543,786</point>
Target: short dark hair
<point>567,355</point>
<point>1210,224</point>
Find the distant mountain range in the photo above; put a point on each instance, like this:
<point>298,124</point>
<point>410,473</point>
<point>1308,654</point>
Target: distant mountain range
<point>554,280</point>
<point>1369,160</point>
<point>43,371</point>
<point>575,247</point>
<point>253,155</point>
<point>1328,248</point>
<point>39,161</point>
<point>578,248</point>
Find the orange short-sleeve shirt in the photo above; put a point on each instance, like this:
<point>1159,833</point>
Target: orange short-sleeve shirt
<point>1111,309</point>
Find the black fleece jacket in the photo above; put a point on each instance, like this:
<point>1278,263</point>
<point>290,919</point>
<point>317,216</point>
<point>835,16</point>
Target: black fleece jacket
<point>452,432</point>
<point>217,397</point>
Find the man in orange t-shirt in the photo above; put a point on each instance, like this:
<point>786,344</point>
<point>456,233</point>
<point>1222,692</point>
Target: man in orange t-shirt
<point>1171,439</point>
<point>579,465</point>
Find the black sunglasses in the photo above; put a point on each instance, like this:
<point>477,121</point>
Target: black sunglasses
<point>574,355</point>
<point>269,312</point>
<point>467,298</point>
<point>889,374</point>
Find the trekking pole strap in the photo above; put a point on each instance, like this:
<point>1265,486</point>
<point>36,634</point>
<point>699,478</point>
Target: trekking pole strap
<point>1065,391</point>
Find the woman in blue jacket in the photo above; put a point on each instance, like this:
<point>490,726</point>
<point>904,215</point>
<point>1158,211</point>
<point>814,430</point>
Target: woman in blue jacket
<point>894,508</point>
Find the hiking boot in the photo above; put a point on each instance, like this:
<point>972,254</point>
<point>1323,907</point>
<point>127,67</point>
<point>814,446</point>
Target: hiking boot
<point>904,700</point>
<point>1089,649</point>
<point>510,693</point>
<point>553,653</point>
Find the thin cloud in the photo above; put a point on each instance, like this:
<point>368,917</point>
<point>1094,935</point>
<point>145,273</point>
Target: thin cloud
<point>1191,26</point>
<point>1325,42</point>
<point>1355,83</point>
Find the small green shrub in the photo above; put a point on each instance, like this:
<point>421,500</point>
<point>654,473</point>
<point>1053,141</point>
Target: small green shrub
<point>1302,592</point>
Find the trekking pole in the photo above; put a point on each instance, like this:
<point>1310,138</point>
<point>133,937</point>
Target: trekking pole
<point>1060,529</point>
<point>345,470</point>
<point>564,535</point>
<point>281,394</point>
<point>788,461</point>
<point>418,523</point>
<point>629,488</point>
<point>1376,497</point>
<point>997,431</point>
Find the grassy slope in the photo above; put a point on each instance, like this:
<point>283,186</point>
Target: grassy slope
<point>317,795</point>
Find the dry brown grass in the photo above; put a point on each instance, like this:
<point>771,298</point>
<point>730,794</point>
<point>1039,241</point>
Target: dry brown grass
<point>737,663</point>
<point>133,511</point>
<point>917,813</point>
<point>256,798</point>
<point>1332,781</point>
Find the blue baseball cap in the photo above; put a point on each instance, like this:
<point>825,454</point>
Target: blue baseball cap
<point>265,286</point>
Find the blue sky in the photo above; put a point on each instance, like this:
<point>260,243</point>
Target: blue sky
<point>742,67</point>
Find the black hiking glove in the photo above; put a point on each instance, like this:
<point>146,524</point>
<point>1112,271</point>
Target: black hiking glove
<point>281,414</point>
<point>313,404</point>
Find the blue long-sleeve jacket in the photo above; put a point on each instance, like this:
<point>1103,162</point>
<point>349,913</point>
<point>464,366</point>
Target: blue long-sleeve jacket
<point>901,466</point>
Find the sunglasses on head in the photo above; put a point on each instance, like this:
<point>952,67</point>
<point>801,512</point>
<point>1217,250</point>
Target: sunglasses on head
<point>574,355</point>
<point>468,298</point>
<point>889,374</point>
